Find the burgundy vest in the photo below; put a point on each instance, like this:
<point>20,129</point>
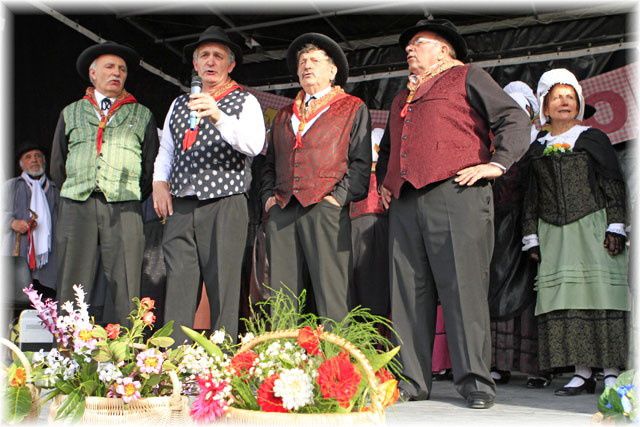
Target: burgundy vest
<point>311,172</point>
<point>440,134</point>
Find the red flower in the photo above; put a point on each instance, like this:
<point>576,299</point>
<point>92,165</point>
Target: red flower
<point>393,393</point>
<point>148,318</point>
<point>338,379</point>
<point>242,362</point>
<point>147,303</point>
<point>267,400</point>
<point>309,339</point>
<point>113,330</point>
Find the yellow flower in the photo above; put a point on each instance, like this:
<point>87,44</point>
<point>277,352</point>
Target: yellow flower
<point>19,378</point>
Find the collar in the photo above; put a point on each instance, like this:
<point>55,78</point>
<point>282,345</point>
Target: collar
<point>99,97</point>
<point>317,95</point>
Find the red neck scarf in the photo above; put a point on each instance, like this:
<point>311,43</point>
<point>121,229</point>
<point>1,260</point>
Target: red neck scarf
<point>307,113</point>
<point>217,93</point>
<point>122,99</point>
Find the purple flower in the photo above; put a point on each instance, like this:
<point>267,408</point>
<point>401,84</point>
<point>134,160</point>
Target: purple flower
<point>48,314</point>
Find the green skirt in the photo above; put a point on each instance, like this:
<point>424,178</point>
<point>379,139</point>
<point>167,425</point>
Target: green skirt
<point>576,271</point>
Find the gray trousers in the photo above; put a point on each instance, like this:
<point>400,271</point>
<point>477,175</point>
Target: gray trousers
<point>115,229</point>
<point>316,239</point>
<point>205,240</point>
<point>440,244</point>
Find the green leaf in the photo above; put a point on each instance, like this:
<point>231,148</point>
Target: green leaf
<point>89,387</point>
<point>243,391</point>
<point>104,354</point>
<point>17,404</point>
<point>380,360</point>
<point>161,341</point>
<point>168,366</point>
<point>119,350</point>
<point>72,407</point>
<point>99,332</point>
<point>65,387</point>
<point>165,331</point>
<point>204,342</point>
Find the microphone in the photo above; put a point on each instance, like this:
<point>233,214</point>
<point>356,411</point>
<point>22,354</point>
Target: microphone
<point>196,87</point>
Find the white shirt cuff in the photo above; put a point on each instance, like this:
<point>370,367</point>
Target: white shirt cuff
<point>618,228</point>
<point>529,241</point>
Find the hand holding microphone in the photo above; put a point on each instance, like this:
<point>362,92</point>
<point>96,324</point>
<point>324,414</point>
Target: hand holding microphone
<point>201,104</point>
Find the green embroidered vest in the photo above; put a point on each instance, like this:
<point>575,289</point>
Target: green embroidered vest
<point>116,171</point>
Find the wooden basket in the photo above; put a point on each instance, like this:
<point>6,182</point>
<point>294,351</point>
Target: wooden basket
<point>374,416</point>
<point>161,410</point>
<point>35,391</point>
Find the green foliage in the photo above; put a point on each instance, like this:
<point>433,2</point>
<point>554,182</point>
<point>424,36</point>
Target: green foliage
<point>203,341</point>
<point>619,402</point>
<point>17,404</point>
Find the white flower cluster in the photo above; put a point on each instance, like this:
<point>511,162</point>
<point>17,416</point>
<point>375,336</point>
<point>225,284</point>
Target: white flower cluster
<point>218,336</point>
<point>295,387</point>
<point>195,361</point>
<point>75,318</point>
<point>108,372</point>
<point>277,357</point>
<point>56,365</point>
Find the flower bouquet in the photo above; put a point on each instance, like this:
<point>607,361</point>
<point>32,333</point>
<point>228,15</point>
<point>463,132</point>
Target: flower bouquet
<point>290,368</point>
<point>619,403</point>
<point>107,374</point>
<point>557,148</point>
<point>21,396</point>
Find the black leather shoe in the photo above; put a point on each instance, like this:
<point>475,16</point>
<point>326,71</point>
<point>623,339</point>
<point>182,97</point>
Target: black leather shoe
<point>589,386</point>
<point>539,382</point>
<point>505,376</point>
<point>444,375</point>
<point>405,396</point>
<point>480,400</point>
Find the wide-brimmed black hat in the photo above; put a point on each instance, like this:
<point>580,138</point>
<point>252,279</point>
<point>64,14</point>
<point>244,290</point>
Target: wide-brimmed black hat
<point>130,56</point>
<point>325,43</point>
<point>589,111</point>
<point>214,34</point>
<point>442,27</point>
<point>28,145</point>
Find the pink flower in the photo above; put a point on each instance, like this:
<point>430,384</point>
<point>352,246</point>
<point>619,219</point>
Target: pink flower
<point>48,314</point>
<point>148,318</point>
<point>147,303</point>
<point>128,389</point>
<point>212,402</point>
<point>113,330</point>
<point>150,361</point>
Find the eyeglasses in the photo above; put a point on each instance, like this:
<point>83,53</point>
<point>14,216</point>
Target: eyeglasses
<point>421,40</point>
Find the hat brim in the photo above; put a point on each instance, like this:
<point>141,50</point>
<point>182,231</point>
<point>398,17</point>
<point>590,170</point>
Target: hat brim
<point>325,43</point>
<point>237,50</point>
<point>449,34</point>
<point>28,146</point>
<point>130,57</point>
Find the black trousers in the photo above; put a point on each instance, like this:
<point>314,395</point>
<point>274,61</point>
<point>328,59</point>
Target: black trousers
<point>440,244</point>
<point>314,240</point>
<point>205,239</point>
<point>113,229</point>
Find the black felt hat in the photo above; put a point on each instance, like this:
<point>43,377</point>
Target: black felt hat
<point>215,34</point>
<point>589,111</point>
<point>325,43</point>
<point>442,27</point>
<point>130,56</point>
<point>28,145</point>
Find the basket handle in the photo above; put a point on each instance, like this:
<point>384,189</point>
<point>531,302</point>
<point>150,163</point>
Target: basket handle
<point>376,398</point>
<point>176,397</point>
<point>20,354</point>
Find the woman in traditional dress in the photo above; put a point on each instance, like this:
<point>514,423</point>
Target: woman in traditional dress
<point>574,214</point>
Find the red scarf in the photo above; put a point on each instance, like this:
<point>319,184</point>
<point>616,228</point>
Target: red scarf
<point>307,113</point>
<point>124,98</point>
<point>217,93</point>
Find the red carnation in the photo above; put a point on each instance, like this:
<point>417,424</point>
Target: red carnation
<point>113,330</point>
<point>338,379</point>
<point>242,362</point>
<point>267,400</point>
<point>309,340</point>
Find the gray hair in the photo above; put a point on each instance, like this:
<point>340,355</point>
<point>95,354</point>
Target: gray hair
<point>310,47</point>
<point>232,57</point>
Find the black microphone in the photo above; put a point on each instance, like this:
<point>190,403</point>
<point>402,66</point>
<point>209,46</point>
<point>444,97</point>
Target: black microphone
<point>196,87</point>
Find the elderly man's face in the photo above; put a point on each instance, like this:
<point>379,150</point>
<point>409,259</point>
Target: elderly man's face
<point>424,50</point>
<point>109,75</point>
<point>315,71</point>
<point>212,64</point>
<point>32,162</point>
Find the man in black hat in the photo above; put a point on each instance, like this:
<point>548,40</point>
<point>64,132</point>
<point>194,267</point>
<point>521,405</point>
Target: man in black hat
<point>29,215</point>
<point>200,183</point>
<point>102,159</point>
<point>318,161</point>
<point>436,164</point>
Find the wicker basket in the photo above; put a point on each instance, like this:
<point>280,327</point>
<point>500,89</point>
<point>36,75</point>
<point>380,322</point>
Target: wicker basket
<point>375,416</point>
<point>161,410</point>
<point>35,391</point>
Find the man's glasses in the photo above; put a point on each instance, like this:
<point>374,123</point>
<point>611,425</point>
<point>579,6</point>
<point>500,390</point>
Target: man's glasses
<point>421,40</point>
